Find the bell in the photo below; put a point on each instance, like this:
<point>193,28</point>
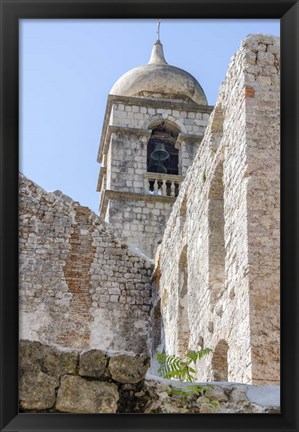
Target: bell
<point>160,153</point>
<point>157,166</point>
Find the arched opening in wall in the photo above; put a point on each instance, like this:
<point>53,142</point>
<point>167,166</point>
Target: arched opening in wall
<point>157,326</point>
<point>183,329</point>
<point>163,157</point>
<point>216,236</point>
<point>220,362</point>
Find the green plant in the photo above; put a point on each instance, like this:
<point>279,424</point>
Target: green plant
<point>198,390</point>
<point>204,177</point>
<point>172,366</point>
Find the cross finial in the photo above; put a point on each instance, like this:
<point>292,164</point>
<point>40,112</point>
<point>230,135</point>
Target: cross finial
<point>158,29</point>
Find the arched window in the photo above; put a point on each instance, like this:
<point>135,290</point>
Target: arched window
<point>219,362</point>
<point>162,156</point>
<point>157,326</point>
<point>183,330</point>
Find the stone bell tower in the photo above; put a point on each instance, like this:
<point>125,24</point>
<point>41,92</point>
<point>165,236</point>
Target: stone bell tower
<point>155,119</point>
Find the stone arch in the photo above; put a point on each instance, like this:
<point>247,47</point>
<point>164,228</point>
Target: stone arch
<point>156,326</point>
<point>154,120</point>
<point>177,123</point>
<point>216,252</point>
<point>183,329</point>
<point>220,361</point>
<point>163,134</point>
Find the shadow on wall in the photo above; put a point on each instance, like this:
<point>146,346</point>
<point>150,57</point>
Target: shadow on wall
<point>158,336</point>
<point>219,362</point>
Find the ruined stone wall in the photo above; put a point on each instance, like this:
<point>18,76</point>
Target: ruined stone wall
<point>81,286</point>
<point>217,270</point>
<point>263,204</point>
<point>94,381</point>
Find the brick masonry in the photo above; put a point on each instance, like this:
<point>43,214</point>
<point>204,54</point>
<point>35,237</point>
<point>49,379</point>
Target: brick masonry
<point>80,285</point>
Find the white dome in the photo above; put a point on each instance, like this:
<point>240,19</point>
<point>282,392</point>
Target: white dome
<point>158,78</point>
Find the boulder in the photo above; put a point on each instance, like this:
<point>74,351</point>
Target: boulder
<point>92,363</point>
<point>47,359</point>
<point>37,390</point>
<point>41,367</point>
<point>128,368</point>
<point>238,394</point>
<point>216,393</point>
<point>78,395</point>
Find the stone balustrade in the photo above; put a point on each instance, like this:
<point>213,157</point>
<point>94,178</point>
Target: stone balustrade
<point>162,184</point>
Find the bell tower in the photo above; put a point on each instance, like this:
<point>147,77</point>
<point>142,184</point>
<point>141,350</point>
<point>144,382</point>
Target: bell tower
<point>155,119</point>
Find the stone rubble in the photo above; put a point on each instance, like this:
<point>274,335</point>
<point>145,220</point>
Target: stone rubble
<point>51,381</point>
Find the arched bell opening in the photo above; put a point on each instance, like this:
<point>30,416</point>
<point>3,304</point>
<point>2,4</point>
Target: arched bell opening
<point>162,156</point>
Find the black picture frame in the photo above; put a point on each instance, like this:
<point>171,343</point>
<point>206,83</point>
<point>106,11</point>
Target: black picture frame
<point>13,10</point>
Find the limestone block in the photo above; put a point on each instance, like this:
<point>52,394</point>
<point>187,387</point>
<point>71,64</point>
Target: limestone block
<point>92,363</point>
<point>238,394</point>
<point>37,390</point>
<point>128,369</point>
<point>265,58</point>
<point>216,393</point>
<point>34,355</point>
<point>205,408</point>
<point>78,395</point>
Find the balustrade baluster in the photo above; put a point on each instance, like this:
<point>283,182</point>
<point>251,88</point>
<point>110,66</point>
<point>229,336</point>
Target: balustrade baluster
<point>164,188</point>
<point>172,189</point>
<point>147,185</point>
<point>161,184</point>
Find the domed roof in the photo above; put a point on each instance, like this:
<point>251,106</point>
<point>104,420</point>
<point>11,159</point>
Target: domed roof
<point>158,78</point>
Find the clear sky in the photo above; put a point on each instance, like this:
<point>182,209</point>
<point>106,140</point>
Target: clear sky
<point>67,68</point>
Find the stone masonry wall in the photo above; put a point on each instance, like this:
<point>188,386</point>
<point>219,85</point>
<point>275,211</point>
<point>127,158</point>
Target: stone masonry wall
<point>141,112</point>
<point>81,286</point>
<point>94,381</point>
<point>123,155</point>
<point>225,224</point>
<point>129,130</point>
<point>141,222</point>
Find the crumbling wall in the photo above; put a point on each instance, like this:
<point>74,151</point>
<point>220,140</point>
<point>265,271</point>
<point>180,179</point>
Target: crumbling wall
<point>81,286</point>
<point>94,381</point>
<point>227,218</point>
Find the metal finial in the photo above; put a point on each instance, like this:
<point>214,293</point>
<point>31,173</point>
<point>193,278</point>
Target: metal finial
<point>158,29</point>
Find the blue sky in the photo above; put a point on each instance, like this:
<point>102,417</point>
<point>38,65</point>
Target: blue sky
<point>67,68</point>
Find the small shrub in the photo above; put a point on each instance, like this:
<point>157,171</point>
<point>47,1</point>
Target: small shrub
<point>172,366</point>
